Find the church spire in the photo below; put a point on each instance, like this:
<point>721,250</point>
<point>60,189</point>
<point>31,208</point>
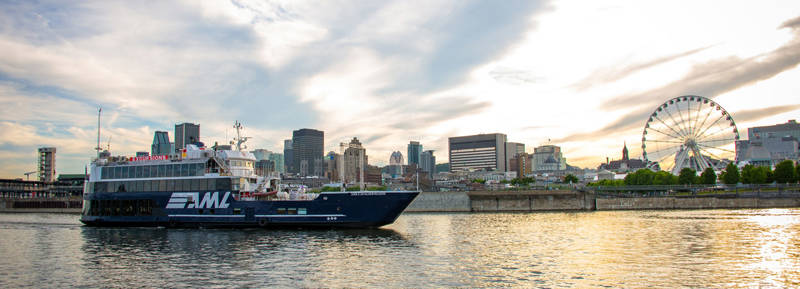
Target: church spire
<point>625,151</point>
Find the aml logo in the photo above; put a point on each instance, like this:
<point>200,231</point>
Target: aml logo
<point>190,201</point>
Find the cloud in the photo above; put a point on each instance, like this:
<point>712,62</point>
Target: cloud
<point>611,74</point>
<point>722,75</point>
<point>709,79</point>
<point>757,114</point>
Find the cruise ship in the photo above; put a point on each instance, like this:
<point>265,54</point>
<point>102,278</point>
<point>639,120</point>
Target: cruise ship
<point>219,188</point>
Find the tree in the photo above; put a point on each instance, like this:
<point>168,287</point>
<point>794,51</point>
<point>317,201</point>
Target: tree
<point>797,172</point>
<point>755,174</point>
<point>708,176</point>
<point>664,178</point>
<point>785,172</point>
<point>731,174</point>
<point>571,179</point>
<point>640,178</point>
<point>686,176</point>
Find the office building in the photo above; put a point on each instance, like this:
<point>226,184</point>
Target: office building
<point>769,145</point>
<point>478,152</point>
<point>355,161</point>
<point>427,163</point>
<point>307,149</point>
<point>288,156</point>
<point>47,164</point>
<point>512,150</point>
<point>186,133</point>
<point>414,152</point>
<point>142,154</point>
<point>332,166</point>
<point>161,145</point>
<point>790,128</point>
<point>521,164</point>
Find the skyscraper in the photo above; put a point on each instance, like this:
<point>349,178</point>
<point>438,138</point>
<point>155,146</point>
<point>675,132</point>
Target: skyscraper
<point>161,145</point>
<point>186,133</point>
<point>355,161</point>
<point>414,152</point>
<point>47,164</point>
<point>427,163</point>
<point>307,146</point>
<point>478,152</point>
<point>288,156</point>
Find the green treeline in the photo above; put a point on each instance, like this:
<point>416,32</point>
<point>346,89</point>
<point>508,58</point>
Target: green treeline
<point>785,172</point>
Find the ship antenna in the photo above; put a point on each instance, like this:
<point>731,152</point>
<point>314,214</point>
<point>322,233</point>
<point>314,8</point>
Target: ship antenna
<point>98,148</point>
<point>239,138</point>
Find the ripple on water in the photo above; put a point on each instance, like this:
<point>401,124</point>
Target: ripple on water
<point>704,248</point>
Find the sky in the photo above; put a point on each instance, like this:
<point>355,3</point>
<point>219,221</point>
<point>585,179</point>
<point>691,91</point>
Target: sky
<point>583,75</point>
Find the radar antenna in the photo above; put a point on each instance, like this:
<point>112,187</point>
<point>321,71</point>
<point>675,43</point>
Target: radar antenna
<point>239,140</point>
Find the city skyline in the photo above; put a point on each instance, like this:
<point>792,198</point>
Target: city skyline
<point>583,76</point>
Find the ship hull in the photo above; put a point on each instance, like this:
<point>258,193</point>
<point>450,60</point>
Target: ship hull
<point>220,209</point>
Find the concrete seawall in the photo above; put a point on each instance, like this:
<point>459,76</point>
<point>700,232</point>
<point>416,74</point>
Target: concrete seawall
<point>567,200</point>
<point>440,202</point>
<point>677,203</point>
<point>528,201</point>
<point>40,205</point>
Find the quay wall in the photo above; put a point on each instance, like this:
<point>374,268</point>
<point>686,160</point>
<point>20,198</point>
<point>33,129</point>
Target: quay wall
<point>567,200</point>
<point>40,205</point>
<point>440,202</point>
<point>529,201</point>
<point>678,203</point>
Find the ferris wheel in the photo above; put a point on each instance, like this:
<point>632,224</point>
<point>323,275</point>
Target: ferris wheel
<point>689,132</point>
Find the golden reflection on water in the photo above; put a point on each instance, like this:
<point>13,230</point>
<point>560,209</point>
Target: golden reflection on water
<point>620,249</point>
<point>709,248</point>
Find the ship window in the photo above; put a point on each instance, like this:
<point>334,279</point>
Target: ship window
<point>162,185</point>
<point>223,184</point>
<point>162,171</point>
<point>170,186</point>
<point>184,170</point>
<point>138,171</point>
<point>138,186</point>
<point>291,211</point>
<point>153,171</point>
<point>131,172</point>
<point>301,211</point>
<point>187,184</point>
<point>237,211</point>
<point>99,187</point>
<point>200,169</point>
<point>121,187</point>
<point>168,172</point>
<point>105,173</point>
<point>211,184</point>
<point>146,186</point>
<point>195,185</point>
<point>281,211</point>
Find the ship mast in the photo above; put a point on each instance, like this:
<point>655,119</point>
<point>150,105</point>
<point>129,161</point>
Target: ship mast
<point>98,148</point>
<point>239,138</point>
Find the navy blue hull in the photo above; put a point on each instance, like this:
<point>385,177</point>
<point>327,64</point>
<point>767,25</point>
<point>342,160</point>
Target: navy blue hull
<point>219,209</point>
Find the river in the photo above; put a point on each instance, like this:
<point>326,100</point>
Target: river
<point>614,249</point>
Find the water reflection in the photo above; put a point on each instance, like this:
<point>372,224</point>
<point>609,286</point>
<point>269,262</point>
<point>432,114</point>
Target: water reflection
<point>251,257</point>
<point>709,248</point>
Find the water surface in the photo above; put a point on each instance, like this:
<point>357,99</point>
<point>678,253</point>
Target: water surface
<point>629,249</point>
